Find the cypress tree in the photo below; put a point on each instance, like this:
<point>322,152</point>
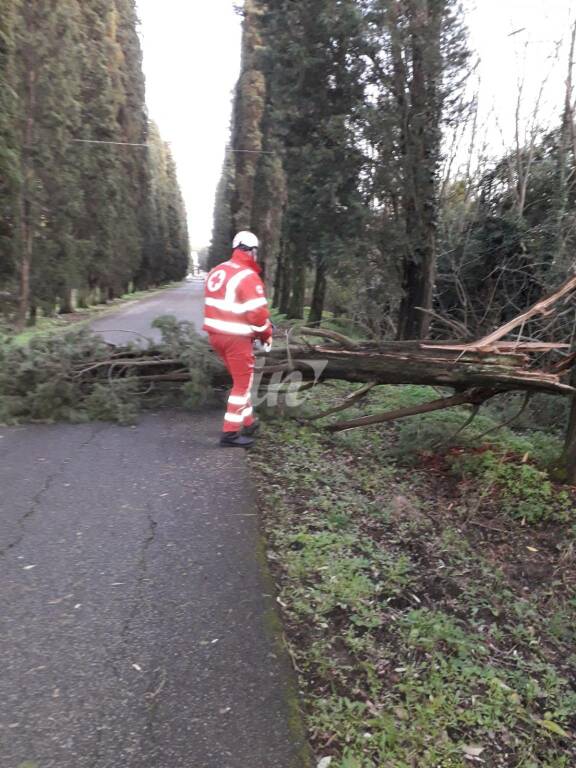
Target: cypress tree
<point>169,249</point>
<point>114,176</point>
<point>316,93</point>
<point>419,53</point>
<point>249,108</point>
<point>178,243</point>
<point>77,205</point>
<point>296,102</point>
<point>9,152</point>
<point>46,79</point>
<point>222,231</point>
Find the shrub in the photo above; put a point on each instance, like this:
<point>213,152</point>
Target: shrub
<point>523,490</point>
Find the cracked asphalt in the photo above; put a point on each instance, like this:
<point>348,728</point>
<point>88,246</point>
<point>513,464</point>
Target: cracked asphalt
<point>137,621</point>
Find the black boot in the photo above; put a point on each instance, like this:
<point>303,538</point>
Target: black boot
<point>235,440</point>
<point>252,429</point>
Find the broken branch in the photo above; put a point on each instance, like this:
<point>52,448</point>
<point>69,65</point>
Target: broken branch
<point>473,396</point>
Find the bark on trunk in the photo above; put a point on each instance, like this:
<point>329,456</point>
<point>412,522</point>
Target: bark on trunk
<point>279,280</point>
<point>401,364</point>
<point>568,461</point>
<point>417,289</point>
<point>27,239</point>
<point>318,293</point>
<point>26,211</point>
<point>284,304</point>
<point>567,467</point>
<point>296,306</point>
<point>83,298</point>
<point>420,110</point>
<point>66,302</point>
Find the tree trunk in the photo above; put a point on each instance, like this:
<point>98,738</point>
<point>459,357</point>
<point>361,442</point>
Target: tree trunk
<point>296,306</point>
<point>319,292</point>
<point>279,279</point>
<point>66,302</point>
<point>406,363</point>
<point>26,245</point>
<point>83,298</point>
<point>26,214</point>
<point>286,284</point>
<point>420,138</point>
<point>568,460</point>
<point>33,315</point>
<point>417,288</point>
<point>566,470</point>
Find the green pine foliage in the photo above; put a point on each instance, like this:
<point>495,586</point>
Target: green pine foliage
<point>9,153</point>
<point>80,185</point>
<point>62,377</point>
<point>167,248</point>
<point>295,177</point>
<point>341,107</point>
<point>222,230</point>
<point>349,111</point>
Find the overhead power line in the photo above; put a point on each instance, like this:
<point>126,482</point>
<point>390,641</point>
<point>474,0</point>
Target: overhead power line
<point>251,151</point>
<point>134,144</point>
<point>115,143</point>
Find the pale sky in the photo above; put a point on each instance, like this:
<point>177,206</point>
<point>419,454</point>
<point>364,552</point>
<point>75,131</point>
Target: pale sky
<point>536,55</point>
<point>191,62</point>
<point>192,58</point>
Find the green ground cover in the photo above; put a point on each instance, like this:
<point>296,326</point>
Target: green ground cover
<point>60,324</point>
<point>428,585</point>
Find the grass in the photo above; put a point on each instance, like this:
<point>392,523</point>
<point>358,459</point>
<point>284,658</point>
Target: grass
<point>428,587</point>
<point>341,324</point>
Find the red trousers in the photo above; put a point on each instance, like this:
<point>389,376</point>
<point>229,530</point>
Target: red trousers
<point>238,356</point>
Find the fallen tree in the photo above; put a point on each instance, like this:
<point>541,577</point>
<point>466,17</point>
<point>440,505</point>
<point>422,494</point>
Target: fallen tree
<point>476,371</point>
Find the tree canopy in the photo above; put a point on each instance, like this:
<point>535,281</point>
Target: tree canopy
<point>89,196</point>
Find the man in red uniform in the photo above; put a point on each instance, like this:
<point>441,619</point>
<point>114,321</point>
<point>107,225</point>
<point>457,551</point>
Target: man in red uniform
<point>236,314</point>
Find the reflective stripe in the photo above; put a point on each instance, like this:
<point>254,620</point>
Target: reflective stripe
<point>233,284</point>
<point>260,329</point>
<point>235,400</point>
<point>247,412</point>
<point>234,418</point>
<point>236,308</point>
<point>254,304</point>
<point>236,329</point>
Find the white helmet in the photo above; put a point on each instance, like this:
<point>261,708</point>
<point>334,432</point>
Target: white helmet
<point>246,240</point>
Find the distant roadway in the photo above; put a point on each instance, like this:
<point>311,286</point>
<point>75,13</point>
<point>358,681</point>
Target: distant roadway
<point>134,321</point>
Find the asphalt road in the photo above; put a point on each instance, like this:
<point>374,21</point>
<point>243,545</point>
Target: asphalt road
<point>134,321</point>
<point>137,620</point>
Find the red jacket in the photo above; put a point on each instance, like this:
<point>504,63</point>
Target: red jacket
<point>235,301</point>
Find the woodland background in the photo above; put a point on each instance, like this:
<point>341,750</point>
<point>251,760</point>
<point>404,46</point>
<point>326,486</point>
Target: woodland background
<point>360,161</point>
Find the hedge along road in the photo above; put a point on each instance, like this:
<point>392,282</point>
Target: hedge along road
<point>138,627</point>
<point>134,323</point>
